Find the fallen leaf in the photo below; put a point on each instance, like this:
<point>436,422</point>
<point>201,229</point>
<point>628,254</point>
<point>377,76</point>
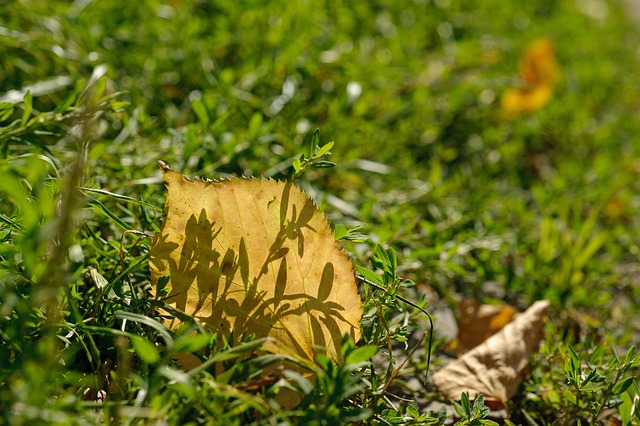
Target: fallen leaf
<point>478,321</point>
<point>538,65</point>
<point>493,368</point>
<point>539,72</point>
<point>517,100</point>
<point>256,255</point>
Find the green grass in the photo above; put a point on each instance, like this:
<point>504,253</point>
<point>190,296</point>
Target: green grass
<point>542,206</point>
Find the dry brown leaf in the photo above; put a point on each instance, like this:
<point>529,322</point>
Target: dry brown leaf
<point>256,255</point>
<point>493,368</point>
<point>479,321</point>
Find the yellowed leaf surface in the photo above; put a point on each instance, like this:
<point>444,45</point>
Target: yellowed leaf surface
<point>493,368</point>
<point>539,72</point>
<point>538,65</point>
<point>256,255</point>
<point>479,321</point>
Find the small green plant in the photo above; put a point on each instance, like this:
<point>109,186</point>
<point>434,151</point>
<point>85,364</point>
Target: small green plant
<point>315,157</point>
<point>472,413</point>
<point>412,416</point>
<point>589,382</point>
<point>339,394</point>
<point>388,320</point>
<point>382,298</point>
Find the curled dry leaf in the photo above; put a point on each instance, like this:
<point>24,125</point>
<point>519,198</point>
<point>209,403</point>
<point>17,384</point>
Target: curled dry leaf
<point>256,255</point>
<point>479,321</point>
<point>493,368</point>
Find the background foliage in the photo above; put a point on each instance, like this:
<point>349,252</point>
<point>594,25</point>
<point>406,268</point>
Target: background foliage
<point>543,205</point>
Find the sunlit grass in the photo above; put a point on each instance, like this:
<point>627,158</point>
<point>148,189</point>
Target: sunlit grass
<point>541,202</point>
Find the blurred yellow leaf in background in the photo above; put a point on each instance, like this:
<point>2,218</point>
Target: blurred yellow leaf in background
<point>539,72</point>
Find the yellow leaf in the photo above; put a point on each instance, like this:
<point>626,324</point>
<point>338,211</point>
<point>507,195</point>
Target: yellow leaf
<point>538,65</point>
<point>256,255</point>
<point>493,368</point>
<point>539,72</point>
<point>518,100</point>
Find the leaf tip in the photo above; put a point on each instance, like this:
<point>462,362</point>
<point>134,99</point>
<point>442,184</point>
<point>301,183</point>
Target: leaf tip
<point>163,166</point>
